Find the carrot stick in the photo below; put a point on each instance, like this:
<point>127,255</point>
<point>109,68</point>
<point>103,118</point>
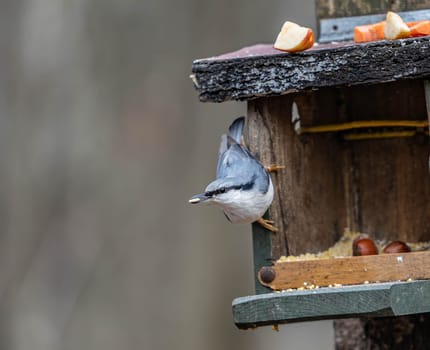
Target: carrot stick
<point>419,28</point>
<point>375,31</point>
<point>369,32</point>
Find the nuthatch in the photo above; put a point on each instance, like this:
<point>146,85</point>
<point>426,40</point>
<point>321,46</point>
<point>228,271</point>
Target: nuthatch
<point>243,187</point>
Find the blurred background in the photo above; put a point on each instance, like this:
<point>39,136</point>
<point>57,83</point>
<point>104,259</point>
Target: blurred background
<point>102,142</point>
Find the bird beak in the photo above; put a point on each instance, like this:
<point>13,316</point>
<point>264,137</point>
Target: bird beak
<point>198,198</point>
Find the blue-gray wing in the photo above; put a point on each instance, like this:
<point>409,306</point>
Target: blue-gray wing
<point>238,163</point>
<point>235,132</point>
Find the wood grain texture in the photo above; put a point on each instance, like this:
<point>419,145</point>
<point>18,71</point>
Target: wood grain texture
<point>386,181</point>
<point>344,8</point>
<point>391,194</point>
<point>379,186</point>
<point>426,84</point>
<point>308,207</point>
<point>394,333</point>
<point>351,270</point>
<point>262,71</point>
<point>381,299</point>
<point>262,253</point>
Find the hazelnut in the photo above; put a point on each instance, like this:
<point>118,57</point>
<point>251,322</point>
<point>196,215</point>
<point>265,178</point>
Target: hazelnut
<point>364,246</point>
<point>396,247</point>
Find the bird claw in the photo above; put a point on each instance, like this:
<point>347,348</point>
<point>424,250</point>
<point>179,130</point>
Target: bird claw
<point>267,224</point>
<point>242,142</point>
<point>274,167</point>
<point>270,168</point>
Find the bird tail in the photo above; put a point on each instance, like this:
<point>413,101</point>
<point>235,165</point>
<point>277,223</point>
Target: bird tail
<point>236,129</point>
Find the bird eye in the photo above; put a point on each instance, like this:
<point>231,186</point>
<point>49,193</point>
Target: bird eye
<point>222,190</point>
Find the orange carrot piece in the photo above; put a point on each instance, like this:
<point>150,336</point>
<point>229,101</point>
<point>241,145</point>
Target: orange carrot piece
<point>411,24</point>
<point>379,30</point>
<point>375,31</point>
<point>369,32</point>
<point>362,34</point>
<point>419,28</point>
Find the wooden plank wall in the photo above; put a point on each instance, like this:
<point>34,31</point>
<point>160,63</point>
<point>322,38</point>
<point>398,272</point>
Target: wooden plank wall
<point>378,186</point>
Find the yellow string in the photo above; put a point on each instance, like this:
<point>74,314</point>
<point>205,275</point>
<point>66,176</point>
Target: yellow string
<point>364,124</point>
<point>378,135</point>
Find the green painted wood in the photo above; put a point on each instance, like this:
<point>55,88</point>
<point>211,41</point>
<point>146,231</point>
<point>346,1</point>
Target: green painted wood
<point>410,298</point>
<point>261,70</point>
<point>262,248</point>
<point>369,300</point>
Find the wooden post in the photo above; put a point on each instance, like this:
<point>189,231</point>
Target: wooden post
<point>369,213</point>
<point>377,186</point>
<point>394,333</point>
<point>329,183</point>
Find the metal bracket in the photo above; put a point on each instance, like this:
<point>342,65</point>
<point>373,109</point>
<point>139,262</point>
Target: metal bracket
<point>342,28</point>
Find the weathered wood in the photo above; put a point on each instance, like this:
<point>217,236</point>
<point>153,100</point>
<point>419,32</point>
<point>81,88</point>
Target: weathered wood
<point>376,300</point>
<point>401,332</point>
<point>380,187</point>
<point>382,195</point>
<point>427,99</point>
<point>308,208</point>
<point>344,8</point>
<point>390,197</point>
<point>263,71</point>
<point>348,333</point>
<point>394,333</point>
<point>329,184</point>
<point>262,253</point>
<point>350,270</point>
<point>342,28</point>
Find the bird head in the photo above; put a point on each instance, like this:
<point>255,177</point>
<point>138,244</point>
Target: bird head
<point>218,191</point>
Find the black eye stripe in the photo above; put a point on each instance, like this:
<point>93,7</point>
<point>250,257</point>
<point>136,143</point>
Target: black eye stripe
<point>215,192</point>
<point>221,190</point>
<point>248,186</point>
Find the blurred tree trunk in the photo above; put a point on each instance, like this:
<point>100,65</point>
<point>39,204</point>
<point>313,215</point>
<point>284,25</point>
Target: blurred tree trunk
<point>99,126</point>
<point>394,333</point>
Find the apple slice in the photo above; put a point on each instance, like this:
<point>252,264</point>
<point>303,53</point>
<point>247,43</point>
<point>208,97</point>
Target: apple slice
<point>293,38</point>
<point>395,27</point>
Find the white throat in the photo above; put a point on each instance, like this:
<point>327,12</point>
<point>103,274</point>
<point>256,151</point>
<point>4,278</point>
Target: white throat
<point>245,207</point>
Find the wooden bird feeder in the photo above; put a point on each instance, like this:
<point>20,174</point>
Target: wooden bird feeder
<point>350,124</point>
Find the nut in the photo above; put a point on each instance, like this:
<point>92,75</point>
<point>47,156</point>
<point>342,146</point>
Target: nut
<point>396,247</point>
<point>364,246</point>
